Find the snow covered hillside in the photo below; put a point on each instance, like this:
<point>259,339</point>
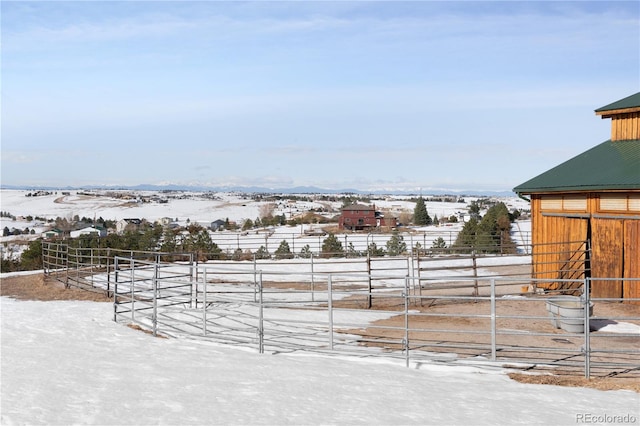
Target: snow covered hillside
<point>69,363</point>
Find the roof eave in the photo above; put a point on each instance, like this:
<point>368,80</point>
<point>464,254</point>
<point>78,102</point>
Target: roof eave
<point>574,189</point>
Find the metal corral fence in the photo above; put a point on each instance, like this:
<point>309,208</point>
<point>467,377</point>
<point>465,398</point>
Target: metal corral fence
<point>269,239</point>
<point>467,308</point>
<point>85,267</point>
<point>490,320</point>
<point>93,268</point>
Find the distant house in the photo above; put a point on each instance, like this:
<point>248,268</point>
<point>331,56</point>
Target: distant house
<point>165,221</point>
<point>217,225</point>
<point>593,200</point>
<point>52,233</point>
<point>90,230</point>
<point>127,224</point>
<point>359,217</point>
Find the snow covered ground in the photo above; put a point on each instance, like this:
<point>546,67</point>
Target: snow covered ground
<point>207,207</point>
<point>69,363</point>
<point>197,207</point>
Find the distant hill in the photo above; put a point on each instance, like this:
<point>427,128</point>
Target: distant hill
<point>258,189</point>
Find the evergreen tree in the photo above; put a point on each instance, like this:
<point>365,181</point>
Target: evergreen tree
<point>262,253</point>
<point>420,214</point>
<point>396,245</point>
<point>474,209</point>
<point>491,234</point>
<point>237,254</point>
<point>169,242</point>
<point>305,253</point>
<point>31,258</point>
<point>332,247</point>
<point>466,239</point>
<point>438,245</point>
<point>374,251</point>
<point>283,251</point>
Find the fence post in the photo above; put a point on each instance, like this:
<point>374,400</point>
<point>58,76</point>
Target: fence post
<point>155,300</point>
<point>108,274</point>
<point>587,328</point>
<point>330,307</point>
<point>313,280</point>
<point>115,291</point>
<point>261,318</point>
<point>66,268</point>
<point>44,258</point>
<point>475,273</point>
<point>204,301</point>
<point>493,319</point>
<point>92,263</point>
<point>369,299</point>
<point>131,284</point>
<point>406,321</point>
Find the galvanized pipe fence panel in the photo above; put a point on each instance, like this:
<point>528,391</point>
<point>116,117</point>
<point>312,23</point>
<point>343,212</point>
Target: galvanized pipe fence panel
<point>280,319</point>
<point>323,305</point>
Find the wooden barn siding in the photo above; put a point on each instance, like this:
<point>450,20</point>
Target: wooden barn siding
<point>565,258</point>
<point>607,256</point>
<point>625,127</point>
<point>631,289</point>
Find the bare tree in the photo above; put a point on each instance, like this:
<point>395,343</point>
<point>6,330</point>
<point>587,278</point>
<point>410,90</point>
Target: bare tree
<point>266,210</point>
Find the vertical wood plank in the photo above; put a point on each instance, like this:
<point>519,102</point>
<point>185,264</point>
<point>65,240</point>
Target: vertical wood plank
<point>606,262</point>
<point>631,289</point>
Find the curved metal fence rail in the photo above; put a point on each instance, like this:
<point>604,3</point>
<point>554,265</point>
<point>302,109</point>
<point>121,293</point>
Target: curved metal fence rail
<point>279,311</point>
<point>467,311</point>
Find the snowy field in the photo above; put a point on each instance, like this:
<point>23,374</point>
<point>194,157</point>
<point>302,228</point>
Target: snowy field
<point>205,208</point>
<point>197,207</point>
<point>69,363</point>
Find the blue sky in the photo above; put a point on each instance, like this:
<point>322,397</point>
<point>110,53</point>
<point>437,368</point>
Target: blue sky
<point>368,95</point>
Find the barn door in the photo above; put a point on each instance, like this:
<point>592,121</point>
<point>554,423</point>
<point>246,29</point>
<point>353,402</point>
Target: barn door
<point>607,256</point>
<point>560,251</point>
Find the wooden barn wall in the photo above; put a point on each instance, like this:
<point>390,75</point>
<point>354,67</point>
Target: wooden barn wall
<point>607,256</point>
<point>558,247</point>
<point>631,289</point>
<point>625,127</point>
<point>615,245</point>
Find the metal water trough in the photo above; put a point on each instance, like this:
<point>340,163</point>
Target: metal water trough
<point>567,313</point>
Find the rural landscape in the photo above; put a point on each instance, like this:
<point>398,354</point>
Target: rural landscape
<point>228,260</point>
<point>320,212</point>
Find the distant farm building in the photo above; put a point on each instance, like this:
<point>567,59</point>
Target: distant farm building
<point>359,217</point>
<point>90,230</point>
<point>217,225</point>
<point>593,201</point>
<point>127,225</point>
<point>53,233</point>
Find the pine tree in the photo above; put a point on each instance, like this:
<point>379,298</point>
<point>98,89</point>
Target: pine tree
<point>396,245</point>
<point>283,251</point>
<point>332,247</point>
<point>420,214</point>
<point>305,253</point>
<point>374,250</point>
<point>262,253</point>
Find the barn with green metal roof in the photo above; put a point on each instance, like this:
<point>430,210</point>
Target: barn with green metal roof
<point>590,207</point>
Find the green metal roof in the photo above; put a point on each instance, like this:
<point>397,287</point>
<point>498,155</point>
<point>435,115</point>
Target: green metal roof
<point>632,101</point>
<point>607,166</point>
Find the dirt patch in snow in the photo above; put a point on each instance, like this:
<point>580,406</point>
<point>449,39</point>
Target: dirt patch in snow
<point>36,287</point>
